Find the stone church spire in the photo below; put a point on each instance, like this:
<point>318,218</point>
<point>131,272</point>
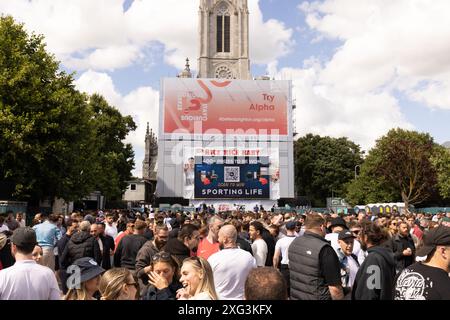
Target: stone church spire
<point>186,73</point>
<point>224,39</point>
<point>151,155</point>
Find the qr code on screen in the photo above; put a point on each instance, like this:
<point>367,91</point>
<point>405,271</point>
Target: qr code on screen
<point>232,174</point>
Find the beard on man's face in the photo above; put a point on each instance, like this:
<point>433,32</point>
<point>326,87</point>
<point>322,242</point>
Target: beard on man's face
<point>363,244</point>
<point>160,243</point>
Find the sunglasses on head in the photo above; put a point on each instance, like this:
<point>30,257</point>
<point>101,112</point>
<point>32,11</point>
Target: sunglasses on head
<point>161,256</point>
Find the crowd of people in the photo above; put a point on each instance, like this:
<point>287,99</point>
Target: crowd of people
<point>253,255</point>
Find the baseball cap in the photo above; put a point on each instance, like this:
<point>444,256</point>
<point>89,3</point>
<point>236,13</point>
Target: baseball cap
<point>338,222</point>
<point>89,218</point>
<point>290,225</point>
<point>24,236</point>
<point>89,268</point>
<point>439,236</point>
<point>345,234</point>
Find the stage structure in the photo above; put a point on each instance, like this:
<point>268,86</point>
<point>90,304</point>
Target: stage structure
<point>225,142</point>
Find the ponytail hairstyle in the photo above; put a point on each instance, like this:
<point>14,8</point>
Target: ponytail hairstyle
<point>204,269</point>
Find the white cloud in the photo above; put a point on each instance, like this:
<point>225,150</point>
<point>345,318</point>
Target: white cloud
<point>269,40</point>
<point>142,104</point>
<point>99,35</point>
<point>94,82</point>
<point>109,58</point>
<point>396,45</point>
<point>386,47</point>
<point>327,111</point>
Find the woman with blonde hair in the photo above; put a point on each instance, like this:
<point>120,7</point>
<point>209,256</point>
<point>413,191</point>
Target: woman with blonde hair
<point>118,284</point>
<point>84,282</point>
<point>197,280</point>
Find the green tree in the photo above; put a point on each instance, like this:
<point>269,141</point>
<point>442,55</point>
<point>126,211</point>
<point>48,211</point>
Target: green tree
<point>441,162</point>
<point>324,165</point>
<point>114,158</point>
<point>54,140</point>
<point>399,167</point>
<point>370,188</point>
<point>44,126</point>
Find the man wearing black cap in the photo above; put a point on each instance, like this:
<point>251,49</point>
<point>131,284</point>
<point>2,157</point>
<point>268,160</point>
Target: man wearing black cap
<point>27,280</point>
<point>337,225</point>
<point>348,261</point>
<point>428,280</point>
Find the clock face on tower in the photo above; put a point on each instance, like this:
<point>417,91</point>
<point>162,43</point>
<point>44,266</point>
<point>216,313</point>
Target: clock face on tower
<point>224,39</point>
<point>223,72</point>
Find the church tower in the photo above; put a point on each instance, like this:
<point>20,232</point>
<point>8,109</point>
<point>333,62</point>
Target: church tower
<point>151,156</point>
<point>224,39</point>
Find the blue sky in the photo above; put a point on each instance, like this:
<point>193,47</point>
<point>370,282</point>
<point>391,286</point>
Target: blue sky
<point>359,67</point>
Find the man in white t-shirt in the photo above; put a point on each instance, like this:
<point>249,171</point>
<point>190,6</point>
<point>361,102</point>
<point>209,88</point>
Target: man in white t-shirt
<point>27,280</point>
<point>230,266</point>
<point>259,246</point>
<point>110,226</point>
<point>281,251</point>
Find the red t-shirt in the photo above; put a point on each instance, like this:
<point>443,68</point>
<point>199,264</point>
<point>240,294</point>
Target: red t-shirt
<point>118,238</point>
<point>418,232</point>
<point>206,248</point>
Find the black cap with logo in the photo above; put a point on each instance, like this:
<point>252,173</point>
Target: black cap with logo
<point>439,236</point>
<point>346,234</point>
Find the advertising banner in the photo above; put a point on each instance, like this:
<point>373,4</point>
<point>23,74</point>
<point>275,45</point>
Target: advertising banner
<point>236,107</point>
<point>232,177</point>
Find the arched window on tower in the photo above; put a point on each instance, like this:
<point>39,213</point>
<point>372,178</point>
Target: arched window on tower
<point>223,29</point>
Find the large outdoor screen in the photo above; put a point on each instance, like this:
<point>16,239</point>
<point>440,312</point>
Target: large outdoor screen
<point>232,177</point>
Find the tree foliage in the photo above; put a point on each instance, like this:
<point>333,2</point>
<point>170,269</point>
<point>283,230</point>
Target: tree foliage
<point>370,188</point>
<point>52,141</point>
<point>399,167</point>
<point>324,165</point>
<point>115,159</point>
<point>441,162</point>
